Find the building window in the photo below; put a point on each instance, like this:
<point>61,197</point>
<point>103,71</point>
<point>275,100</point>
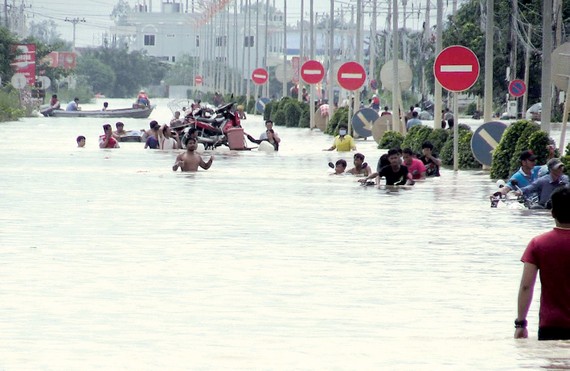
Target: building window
<point>248,41</point>
<point>173,59</point>
<point>221,40</point>
<point>221,59</point>
<point>149,40</point>
<point>197,41</point>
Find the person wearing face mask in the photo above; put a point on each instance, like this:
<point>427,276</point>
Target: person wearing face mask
<point>343,142</point>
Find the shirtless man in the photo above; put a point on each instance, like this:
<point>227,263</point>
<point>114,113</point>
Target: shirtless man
<point>190,160</point>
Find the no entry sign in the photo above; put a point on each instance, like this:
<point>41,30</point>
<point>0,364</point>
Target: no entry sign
<point>259,76</point>
<point>456,68</point>
<point>351,76</point>
<point>517,88</point>
<point>312,72</point>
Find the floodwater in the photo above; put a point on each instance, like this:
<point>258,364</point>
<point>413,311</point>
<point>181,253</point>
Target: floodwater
<point>110,260</point>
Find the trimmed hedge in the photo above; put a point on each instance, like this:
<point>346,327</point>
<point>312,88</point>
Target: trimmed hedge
<point>340,116</point>
<point>292,113</point>
<point>416,136</point>
<point>466,158</point>
<point>522,145</point>
<point>267,110</point>
<point>391,139</point>
<point>501,164</point>
<point>305,120</point>
<point>438,137</point>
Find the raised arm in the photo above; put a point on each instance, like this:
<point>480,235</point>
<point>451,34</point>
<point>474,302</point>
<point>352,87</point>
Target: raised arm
<point>206,165</point>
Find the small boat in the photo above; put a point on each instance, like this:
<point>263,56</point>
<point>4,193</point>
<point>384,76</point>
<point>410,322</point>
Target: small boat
<point>134,112</point>
<point>132,136</point>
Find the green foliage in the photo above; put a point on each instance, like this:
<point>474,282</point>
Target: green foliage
<point>501,164</point>
<point>438,137</point>
<point>279,118</point>
<point>97,74</point>
<point>466,159</point>
<point>340,116</point>
<point>471,108</point>
<point>416,136</point>
<point>133,70</point>
<point>305,120</point>
<point>567,150</point>
<point>523,145</point>
<point>391,139</point>
<point>10,109</point>
<point>267,112</point>
<point>7,54</point>
<point>182,72</point>
<point>81,90</point>
<point>538,143</point>
<point>292,113</point>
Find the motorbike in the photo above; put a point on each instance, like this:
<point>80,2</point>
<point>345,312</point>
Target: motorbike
<point>212,125</point>
<point>498,200</point>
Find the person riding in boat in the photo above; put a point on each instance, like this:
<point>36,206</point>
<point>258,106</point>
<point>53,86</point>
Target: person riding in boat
<point>73,105</point>
<point>142,99</point>
<point>53,105</point>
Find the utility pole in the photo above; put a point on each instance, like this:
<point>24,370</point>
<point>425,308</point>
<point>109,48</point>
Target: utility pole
<point>284,91</point>
<point>488,107</point>
<point>546,88</point>
<point>74,22</point>
<point>6,15</point>
<point>438,46</point>
<point>301,51</point>
<point>332,77</point>
<point>396,123</point>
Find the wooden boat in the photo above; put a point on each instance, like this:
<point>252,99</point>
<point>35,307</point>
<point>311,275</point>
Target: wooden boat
<point>135,112</point>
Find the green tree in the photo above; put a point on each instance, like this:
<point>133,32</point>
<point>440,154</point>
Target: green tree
<point>7,53</point>
<point>99,75</point>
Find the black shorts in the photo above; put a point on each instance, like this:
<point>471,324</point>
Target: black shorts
<point>553,333</point>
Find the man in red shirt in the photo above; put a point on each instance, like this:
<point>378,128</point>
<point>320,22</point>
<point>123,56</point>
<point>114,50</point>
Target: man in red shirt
<point>107,140</point>
<point>549,255</point>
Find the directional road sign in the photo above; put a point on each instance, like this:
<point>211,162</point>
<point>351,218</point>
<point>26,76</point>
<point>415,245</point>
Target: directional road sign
<point>485,139</point>
<point>198,80</point>
<point>19,80</point>
<point>404,75</point>
<point>260,104</point>
<point>312,72</point>
<point>259,76</point>
<point>456,68</point>
<point>517,88</point>
<point>363,120</point>
<point>561,66</point>
<point>351,76</point>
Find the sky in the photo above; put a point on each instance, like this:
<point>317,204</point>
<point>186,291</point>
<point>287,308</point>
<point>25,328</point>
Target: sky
<point>97,14</point>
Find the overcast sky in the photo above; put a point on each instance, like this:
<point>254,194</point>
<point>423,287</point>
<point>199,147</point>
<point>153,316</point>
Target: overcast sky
<point>97,14</point>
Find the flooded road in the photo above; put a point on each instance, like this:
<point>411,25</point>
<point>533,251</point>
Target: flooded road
<point>109,260</point>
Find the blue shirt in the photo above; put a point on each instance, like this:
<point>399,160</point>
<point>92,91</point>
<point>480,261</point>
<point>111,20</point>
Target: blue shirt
<point>71,106</point>
<point>413,122</point>
<point>524,179</point>
<point>544,186</point>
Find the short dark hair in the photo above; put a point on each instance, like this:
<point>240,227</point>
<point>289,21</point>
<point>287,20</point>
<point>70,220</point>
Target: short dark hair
<point>119,123</point>
<point>415,114</point>
<point>268,122</point>
<point>427,144</point>
<point>80,138</point>
<point>341,162</point>
<point>106,126</point>
<point>153,124</point>
<point>190,139</point>
<point>408,151</point>
<point>359,155</point>
<point>343,126</point>
<point>393,152</point>
<point>561,204</point>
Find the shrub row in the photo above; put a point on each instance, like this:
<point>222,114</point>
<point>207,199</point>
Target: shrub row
<point>288,112</point>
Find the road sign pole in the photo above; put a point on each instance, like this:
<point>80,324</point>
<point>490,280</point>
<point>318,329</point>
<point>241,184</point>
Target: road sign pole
<point>350,102</point>
<point>455,132</point>
<point>312,107</point>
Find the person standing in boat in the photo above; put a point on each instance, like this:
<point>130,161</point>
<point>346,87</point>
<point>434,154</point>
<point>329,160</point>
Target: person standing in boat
<point>142,99</point>
<point>343,142</point>
<point>73,105</point>
<point>190,160</point>
<point>107,140</point>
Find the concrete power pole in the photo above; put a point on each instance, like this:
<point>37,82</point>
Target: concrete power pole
<point>396,124</point>
<point>546,91</point>
<point>284,92</point>
<point>488,107</point>
<point>332,77</point>
<point>74,22</point>
<point>438,104</point>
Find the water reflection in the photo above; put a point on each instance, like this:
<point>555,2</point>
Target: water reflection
<point>264,261</point>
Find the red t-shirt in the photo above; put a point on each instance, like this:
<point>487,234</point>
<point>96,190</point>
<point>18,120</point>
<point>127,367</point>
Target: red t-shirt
<point>111,144</point>
<point>550,252</point>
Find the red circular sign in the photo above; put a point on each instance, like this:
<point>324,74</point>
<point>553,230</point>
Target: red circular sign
<point>198,80</point>
<point>351,76</point>
<point>312,72</point>
<point>517,88</point>
<point>456,68</point>
<point>259,76</point>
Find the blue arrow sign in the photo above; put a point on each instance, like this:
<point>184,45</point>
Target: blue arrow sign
<point>260,104</point>
<point>485,139</point>
<point>363,120</point>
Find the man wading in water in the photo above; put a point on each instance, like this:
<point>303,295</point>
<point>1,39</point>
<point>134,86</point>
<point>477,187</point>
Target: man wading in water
<point>190,160</point>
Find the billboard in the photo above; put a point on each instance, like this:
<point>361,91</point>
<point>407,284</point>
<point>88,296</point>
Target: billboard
<point>25,62</point>
<point>66,60</point>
